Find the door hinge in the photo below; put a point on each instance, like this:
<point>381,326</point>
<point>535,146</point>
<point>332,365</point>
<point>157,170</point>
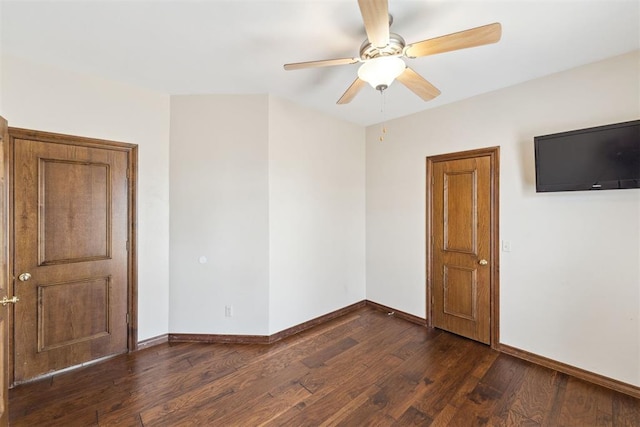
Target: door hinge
<point>127,245</point>
<point>128,318</point>
<point>128,173</point>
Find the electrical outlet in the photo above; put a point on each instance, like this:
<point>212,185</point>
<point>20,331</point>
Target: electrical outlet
<point>228,311</point>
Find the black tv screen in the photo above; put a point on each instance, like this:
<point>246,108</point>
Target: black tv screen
<point>598,158</point>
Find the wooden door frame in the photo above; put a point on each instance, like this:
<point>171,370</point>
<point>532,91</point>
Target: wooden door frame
<point>494,265</point>
<point>4,271</point>
<point>132,175</point>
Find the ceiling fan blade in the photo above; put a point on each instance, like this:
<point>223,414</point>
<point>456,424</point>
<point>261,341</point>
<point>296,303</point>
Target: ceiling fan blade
<point>323,63</point>
<point>352,91</point>
<point>478,36</point>
<point>375,14</point>
<point>418,84</point>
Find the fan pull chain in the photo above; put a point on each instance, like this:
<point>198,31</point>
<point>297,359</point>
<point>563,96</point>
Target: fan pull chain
<point>384,120</point>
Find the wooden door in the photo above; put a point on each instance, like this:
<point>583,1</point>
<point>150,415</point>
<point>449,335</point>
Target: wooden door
<point>462,257</point>
<point>71,263</point>
<point>4,274</point>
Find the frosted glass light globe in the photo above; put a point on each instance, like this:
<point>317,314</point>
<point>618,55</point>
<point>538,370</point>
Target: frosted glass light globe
<point>381,72</point>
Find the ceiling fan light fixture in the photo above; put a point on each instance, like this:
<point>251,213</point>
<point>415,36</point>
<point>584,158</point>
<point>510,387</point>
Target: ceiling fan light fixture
<point>382,71</point>
<point>382,52</point>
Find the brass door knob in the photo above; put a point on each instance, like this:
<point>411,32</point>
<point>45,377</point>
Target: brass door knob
<point>4,301</point>
<point>24,277</point>
<point>483,262</point>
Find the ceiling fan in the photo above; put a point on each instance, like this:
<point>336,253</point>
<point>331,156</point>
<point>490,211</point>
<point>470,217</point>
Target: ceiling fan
<point>381,53</point>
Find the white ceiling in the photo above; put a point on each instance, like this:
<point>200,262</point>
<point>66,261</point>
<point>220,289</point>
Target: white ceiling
<point>212,47</point>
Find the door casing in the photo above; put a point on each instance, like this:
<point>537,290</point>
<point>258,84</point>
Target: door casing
<point>4,274</point>
<point>494,155</point>
<point>132,156</point>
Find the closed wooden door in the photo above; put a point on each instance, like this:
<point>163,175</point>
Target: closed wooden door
<point>4,282</point>
<point>462,255</point>
<point>70,254</point>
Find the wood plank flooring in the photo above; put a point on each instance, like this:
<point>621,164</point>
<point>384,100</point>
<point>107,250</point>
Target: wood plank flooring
<point>362,369</point>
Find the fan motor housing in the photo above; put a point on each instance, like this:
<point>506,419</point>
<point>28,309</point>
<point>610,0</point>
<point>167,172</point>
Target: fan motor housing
<point>394,48</point>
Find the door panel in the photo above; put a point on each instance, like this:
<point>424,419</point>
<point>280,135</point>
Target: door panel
<point>72,312</point>
<point>460,203</point>
<point>71,232</point>
<point>460,292</point>
<point>460,211</point>
<point>75,198</point>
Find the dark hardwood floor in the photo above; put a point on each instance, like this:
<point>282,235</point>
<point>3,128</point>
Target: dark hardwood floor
<point>365,368</point>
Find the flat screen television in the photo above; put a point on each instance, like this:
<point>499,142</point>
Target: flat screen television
<point>598,158</point>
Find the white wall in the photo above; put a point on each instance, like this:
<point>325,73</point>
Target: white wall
<point>570,287</point>
<point>316,214</point>
<point>44,98</point>
<point>272,195</point>
<point>219,210</point>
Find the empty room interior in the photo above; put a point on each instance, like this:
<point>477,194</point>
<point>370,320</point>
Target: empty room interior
<point>232,181</point>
